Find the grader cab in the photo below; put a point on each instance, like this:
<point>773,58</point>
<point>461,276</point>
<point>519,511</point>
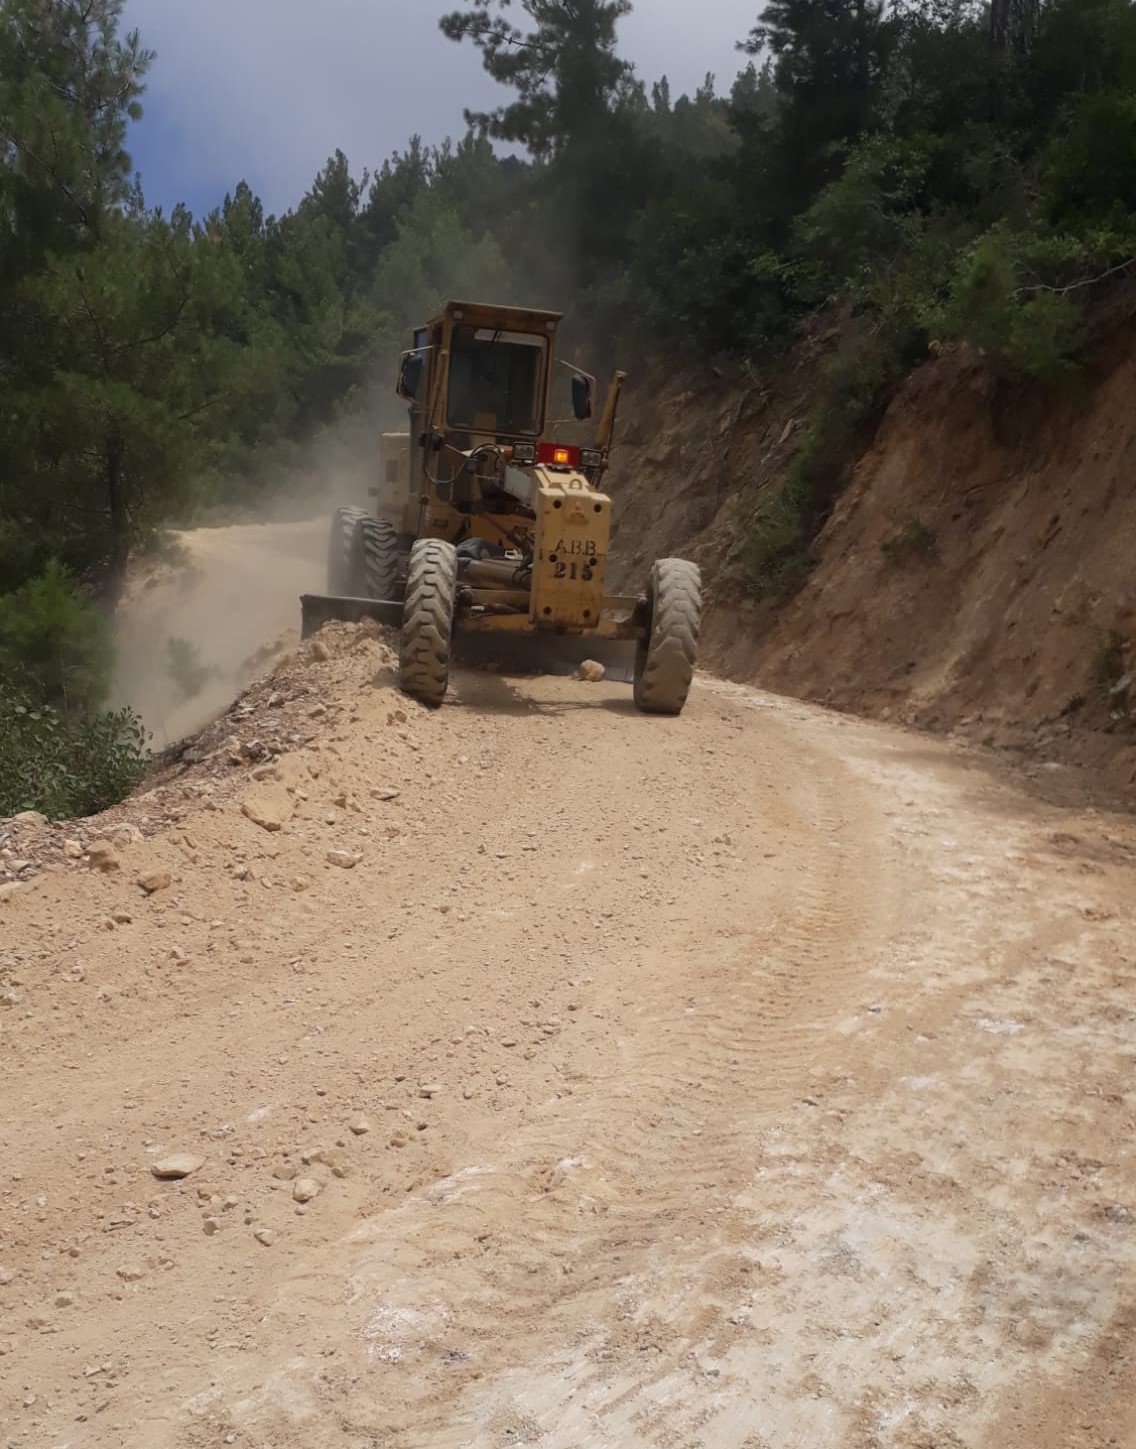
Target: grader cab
<point>488,527</point>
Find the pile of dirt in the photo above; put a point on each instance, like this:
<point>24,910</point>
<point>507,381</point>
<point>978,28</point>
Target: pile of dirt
<point>975,577</point>
<point>307,690</point>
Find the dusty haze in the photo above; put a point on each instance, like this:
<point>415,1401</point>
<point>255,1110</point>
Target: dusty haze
<point>236,595</point>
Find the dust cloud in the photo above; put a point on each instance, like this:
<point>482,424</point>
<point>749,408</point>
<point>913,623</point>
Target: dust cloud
<point>233,598</point>
<point>192,631</point>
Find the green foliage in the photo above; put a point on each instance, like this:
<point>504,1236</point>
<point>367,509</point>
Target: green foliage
<point>565,71</point>
<point>67,766</point>
<point>1109,665</point>
<point>1025,330</point>
<point>1090,165</point>
<point>853,385</point>
<point>912,540</point>
<point>55,647</point>
<point>777,551</point>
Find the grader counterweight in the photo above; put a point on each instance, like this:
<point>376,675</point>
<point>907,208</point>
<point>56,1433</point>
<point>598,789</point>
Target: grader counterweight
<point>489,529</point>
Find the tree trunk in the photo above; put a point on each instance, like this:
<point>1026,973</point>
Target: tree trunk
<point>1013,24</point>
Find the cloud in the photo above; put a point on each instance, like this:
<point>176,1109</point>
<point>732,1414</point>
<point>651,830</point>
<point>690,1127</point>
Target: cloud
<point>267,90</point>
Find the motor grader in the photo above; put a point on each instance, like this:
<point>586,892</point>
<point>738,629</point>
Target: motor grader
<point>489,528</point>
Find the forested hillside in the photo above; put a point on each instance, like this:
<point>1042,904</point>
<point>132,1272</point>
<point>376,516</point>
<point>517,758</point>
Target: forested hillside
<point>912,173</point>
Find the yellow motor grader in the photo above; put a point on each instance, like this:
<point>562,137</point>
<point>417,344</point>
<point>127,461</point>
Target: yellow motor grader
<point>488,528</point>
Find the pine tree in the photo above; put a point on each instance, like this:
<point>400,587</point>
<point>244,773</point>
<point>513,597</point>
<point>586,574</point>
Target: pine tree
<point>565,70</point>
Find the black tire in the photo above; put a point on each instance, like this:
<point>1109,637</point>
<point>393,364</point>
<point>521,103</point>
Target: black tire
<point>664,661</point>
<point>378,545</point>
<point>343,557</point>
<point>428,620</point>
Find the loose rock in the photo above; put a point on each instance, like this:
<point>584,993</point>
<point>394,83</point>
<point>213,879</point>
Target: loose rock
<point>155,880</point>
<point>269,806</point>
<point>305,1189</point>
<point>343,858</point>
<point>360,1127</point>
<point>101,856</point>
<point>591,671</point>
<point>178,1165</point>
<point>265,1237</point>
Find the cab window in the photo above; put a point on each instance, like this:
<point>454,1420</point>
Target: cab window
<point>496,382</point>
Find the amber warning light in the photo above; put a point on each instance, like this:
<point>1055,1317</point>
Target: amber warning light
<point>561,455</point>
<point>558,455</point>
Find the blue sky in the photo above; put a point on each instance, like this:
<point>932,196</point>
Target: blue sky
<point>266,90</point>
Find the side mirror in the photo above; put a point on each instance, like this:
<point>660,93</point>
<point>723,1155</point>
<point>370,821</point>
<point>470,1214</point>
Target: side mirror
<point>582,397</point>
<point>410,376</point>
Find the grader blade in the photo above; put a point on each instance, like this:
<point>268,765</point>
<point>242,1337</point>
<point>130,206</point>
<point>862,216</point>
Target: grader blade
<point>319,609</point>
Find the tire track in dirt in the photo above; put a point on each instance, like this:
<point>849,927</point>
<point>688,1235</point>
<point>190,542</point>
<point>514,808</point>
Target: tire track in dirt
<point>641,1153</point>
<point>781,1092</point>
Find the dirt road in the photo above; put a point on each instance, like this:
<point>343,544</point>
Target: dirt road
<point>759,1079</point>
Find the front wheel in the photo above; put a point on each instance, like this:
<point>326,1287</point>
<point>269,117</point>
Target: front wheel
<point>378,546</point>
<point>343,571</point>
<point>428,620</point>
<point>665,658</point>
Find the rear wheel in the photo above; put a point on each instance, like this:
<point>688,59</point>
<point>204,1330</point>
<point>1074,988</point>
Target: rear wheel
<point>343,570</point>
<point>378,544</point>
<point>428,620</point>
<point>664,661</point>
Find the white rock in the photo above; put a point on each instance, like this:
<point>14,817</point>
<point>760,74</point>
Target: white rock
<point>343,858</point>
<point>305,1188</point>
<point>176,1166</point>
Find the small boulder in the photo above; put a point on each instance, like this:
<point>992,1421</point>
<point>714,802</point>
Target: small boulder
<point>269,806</point>
<point>176,1166</point>
<point>591,671</point>
<point>102,856</point>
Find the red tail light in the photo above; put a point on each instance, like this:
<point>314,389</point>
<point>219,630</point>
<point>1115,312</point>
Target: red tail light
<point>558,455</point>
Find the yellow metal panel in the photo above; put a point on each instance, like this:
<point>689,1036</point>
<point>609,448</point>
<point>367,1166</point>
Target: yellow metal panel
<point>394,471</point>
<point>573,531</point>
